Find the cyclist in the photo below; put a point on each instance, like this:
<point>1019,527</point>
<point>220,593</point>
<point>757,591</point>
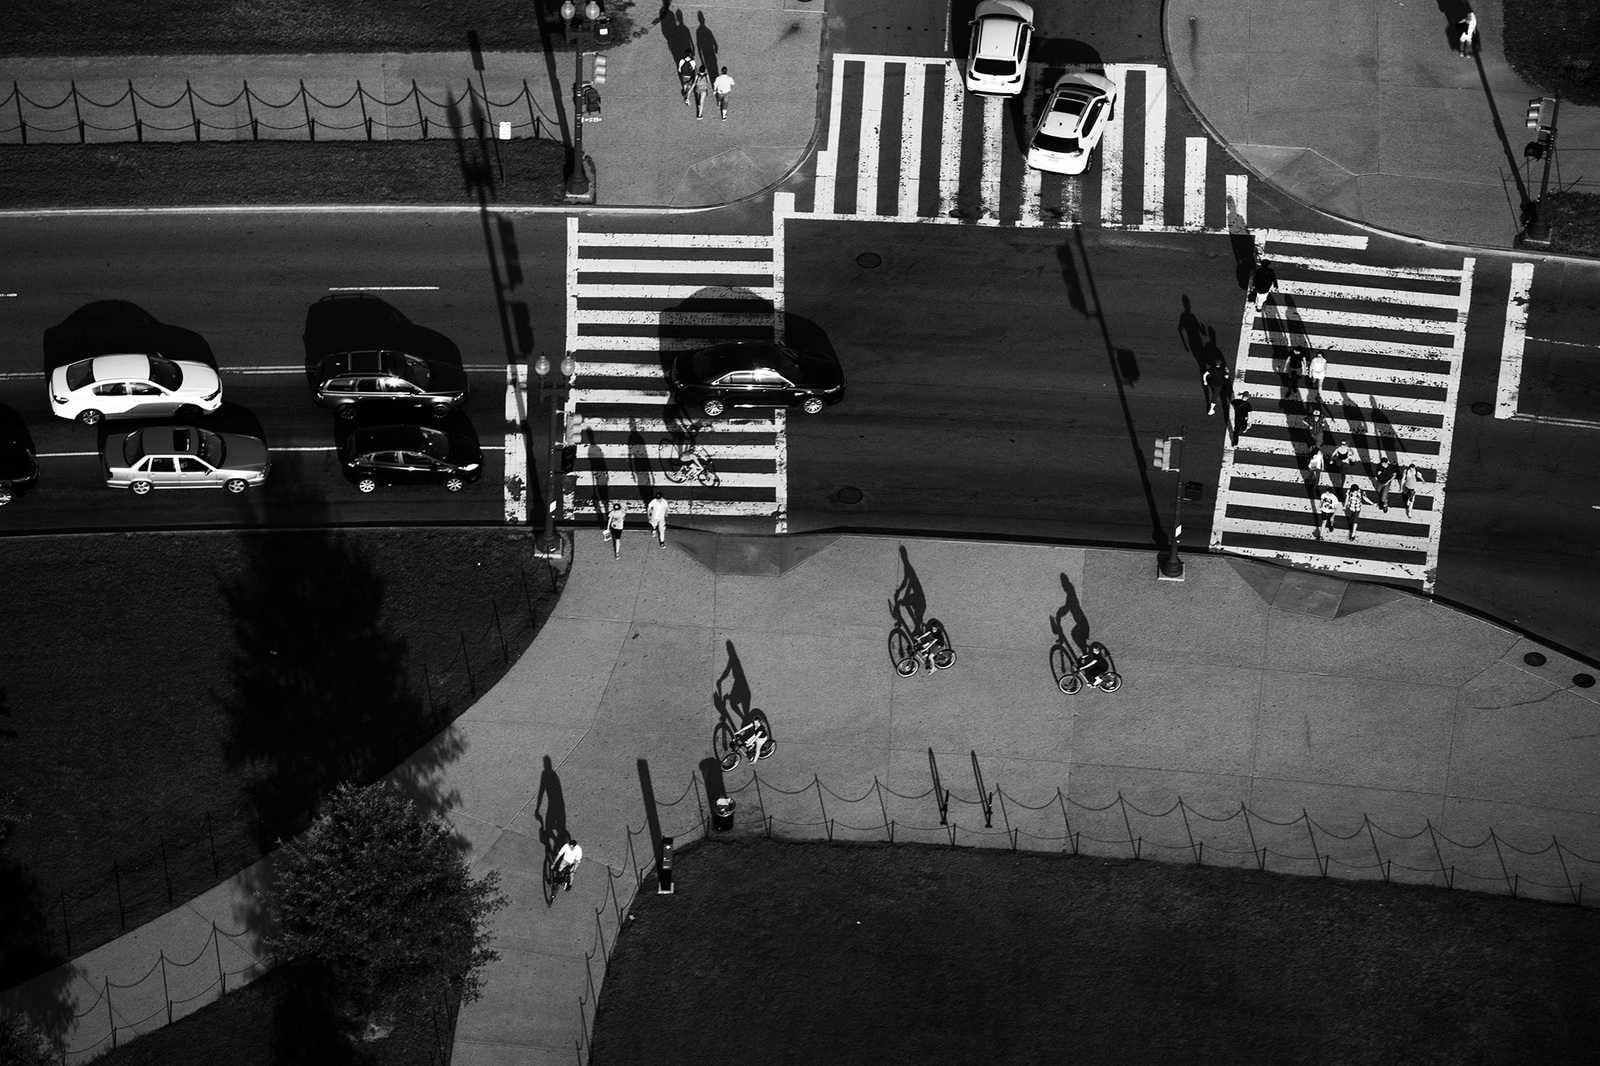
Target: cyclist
<point>691,463</point>
<point>566,862</point>
<point>752,738</point>
<point>1093,665</point>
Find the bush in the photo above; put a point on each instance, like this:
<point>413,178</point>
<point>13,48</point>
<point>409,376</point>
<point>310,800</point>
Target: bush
<point>1555,44</point>
<point>1574,219</point>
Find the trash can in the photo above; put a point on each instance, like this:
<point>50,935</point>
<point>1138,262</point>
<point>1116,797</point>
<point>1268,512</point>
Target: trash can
<point>722,815</point>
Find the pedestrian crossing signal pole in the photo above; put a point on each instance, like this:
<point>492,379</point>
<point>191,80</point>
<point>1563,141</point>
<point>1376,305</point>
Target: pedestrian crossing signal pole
<point>578,180</point>
<point>1542,117</point>
<point>1168,456</point>
<point>548,544</point>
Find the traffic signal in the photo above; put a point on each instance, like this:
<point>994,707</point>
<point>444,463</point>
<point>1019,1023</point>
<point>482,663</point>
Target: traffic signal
<point>1167,453</point>
<point>1541,113</point>
<point>599,77</point>
<point>1163,453</point>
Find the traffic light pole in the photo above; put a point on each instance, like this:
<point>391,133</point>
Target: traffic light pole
<point>1539,226</point>
<point>578,180</point>
<point>1172,562</point>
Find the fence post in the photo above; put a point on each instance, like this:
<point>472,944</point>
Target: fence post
<point>166,873</point>
<point>216,945</point>
<point>1006,818</point>
<point>533,119</point>
<point>250,112</point>
<point>188,90</point>
<point>1065,820</point>
<point>1503,871</point>
<point>1184,810</point>
<point>66,929</point>
<point>1436,852</point>
<point>416,98</point>
<point>1316,853</point>
<point>77,111</point>
<point>505,653</point>
<point>472,682</point>
<point>1576,897</point>
<point>940,796</point>
<point>111,1017</point>
<point>305,105</point>
<point>1376,853</point>
<point>985,798</point>
<point>216,868</point>
<point>116,875</point>
<point>884,807</point>
<point>427,687</point>
<point>817,781</point>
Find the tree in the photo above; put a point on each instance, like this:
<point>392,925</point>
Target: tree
<point>380,897</point>
<point>23,1045</point>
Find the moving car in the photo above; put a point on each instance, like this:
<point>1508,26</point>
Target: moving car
<point>133,386</point>
<point>389,377</point>
<point>1072,123</point>
<point>404,455</point>
<point>19,469</point>
<point>754,374</point>
<point>183,457</point>
<point>1001,33</point>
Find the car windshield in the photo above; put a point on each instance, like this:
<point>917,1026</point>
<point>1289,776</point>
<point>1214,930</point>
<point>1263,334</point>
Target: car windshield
<point>165,372</point>
<point>209,446</point>
<point>1046,143</point>
<point>415,371</point>
<point>133,447</point>
<point>80,374</point>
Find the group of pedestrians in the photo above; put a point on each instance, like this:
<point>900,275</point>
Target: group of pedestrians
<point>692,80</point>
<point>616,518</point>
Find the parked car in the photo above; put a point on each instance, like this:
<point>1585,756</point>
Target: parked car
<point>389,378</point>
<point>1072,123</point>
<point>754,374</point>
<point>133,386</point>
<point>408,455</point>
<point>1001,33</point>
<point>183,457</point>
<point>19,469</point>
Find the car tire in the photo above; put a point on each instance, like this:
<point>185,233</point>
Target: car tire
<point>454,484</point>
<point>236,485</point>
<point>713,407</point>
<point>90,417</point>
<point>440,410</point>
<point>5,497</point>
<point>347,411</point>
<point>187,411</point>
<point>813,405</point>
<point>367,484</point>
<point>141,488</point>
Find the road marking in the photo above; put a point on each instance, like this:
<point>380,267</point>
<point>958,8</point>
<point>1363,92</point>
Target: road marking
<point>1155,140</point>
<point>1324,240</point>
<point>1515,340</point>
<point>1032,189</point>
<point>827,161</point>
<point>782,208</point>
<point>66,455</point>
<point>950,139</point>
<point>1111,153</point>
<point>1194,182</point>
<point>674,240</point>
<point>870,124</point>
<point>383,288</point>
<point>911,140</point>
<point>751,267</point>
<point>518,443</point>
<point>994,122</point>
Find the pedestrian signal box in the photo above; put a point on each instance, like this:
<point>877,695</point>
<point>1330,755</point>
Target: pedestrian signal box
<point>1541,113</point>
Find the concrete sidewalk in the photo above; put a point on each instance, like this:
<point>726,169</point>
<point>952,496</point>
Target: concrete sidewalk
<point>1364,109</point>
<point>647,148</point>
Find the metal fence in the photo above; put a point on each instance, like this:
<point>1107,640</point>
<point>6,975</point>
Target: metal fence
<point>134,116</point>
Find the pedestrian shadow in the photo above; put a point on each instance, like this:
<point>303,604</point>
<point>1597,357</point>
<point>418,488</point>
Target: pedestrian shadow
<point>1359,439</point>
<point>706,43</point>
<point>639,462</point>
<point>602,481</point>
<point>1192,333</point>
<point>1243,245</point>
<point>677,36</point>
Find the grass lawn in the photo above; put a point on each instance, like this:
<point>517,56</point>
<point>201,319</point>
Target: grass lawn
<point>1574,222</point>
<point>1555,44</point>
<point>806,953</point>
<point>233,675</point>
<point>525,171</point>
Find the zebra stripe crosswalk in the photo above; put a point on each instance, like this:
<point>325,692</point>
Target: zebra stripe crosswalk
<point>975,172</point>
<point>634,299</point>
<point>1393,339</point>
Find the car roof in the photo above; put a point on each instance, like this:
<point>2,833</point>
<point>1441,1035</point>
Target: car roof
<point>111,367</point>
<point>368,361</point>
<point>1085,82</point>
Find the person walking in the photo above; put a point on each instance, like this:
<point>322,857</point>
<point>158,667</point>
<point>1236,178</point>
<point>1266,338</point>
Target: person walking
<point>1263,283</point>
<point>1327,507</point>
<point>1318,368</point>
<point>690,71</point>
<point>1241,416</point>
<point>1383,479</point>
<point>1315,464</point>
<point>1339,456</point>
<point>615,520</point>
<point>1218,381</point>
<point>656,510</point>
<point>722,87</point>
<point>1354,500</point>
<point>1410,482</point>
<point>1316,427</point>
<point>1468,28</point>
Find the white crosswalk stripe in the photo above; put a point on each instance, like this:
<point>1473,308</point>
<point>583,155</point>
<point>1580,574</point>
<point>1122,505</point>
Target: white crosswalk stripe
<point>633,299</point>
<point>1393,339</point>
<point>979,176</point>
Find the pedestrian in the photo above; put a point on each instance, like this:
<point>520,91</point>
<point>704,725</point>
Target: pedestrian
<point>1295,364</point>
<point>1354,499</point>
<point>690,70</point>
<point>1339,456</point>
<point>1469,31</point>
<point>1328,506</point>
<point>1241,416</point>
<point>722,87</point>
<point>1319,369</point>
<point>1383,479</point>
<point>1316,427</point>
<point>657,512</point>
<point>1410,481</point>
<point>1315,464</point>
<point>1263,283</point>
<point>615,520</point>
<point>1218,382</point>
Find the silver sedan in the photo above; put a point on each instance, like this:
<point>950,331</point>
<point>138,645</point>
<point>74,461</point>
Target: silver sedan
<point>183,457</point>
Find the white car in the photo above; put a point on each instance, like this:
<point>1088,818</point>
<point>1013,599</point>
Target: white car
<point>183,457</point>
<point>1072,123</point>
<point>133,386</point>
<point>1001,33</point>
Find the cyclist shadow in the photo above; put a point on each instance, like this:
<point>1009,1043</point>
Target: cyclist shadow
<point>550,811</point>
<point>733,701</point>
<point>1070,644</point>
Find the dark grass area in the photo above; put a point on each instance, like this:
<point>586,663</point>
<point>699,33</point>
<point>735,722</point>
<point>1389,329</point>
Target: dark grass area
<point>207,701</point>
<point>281,1019</point>
<point>806,953</point>
<point>525,170</point>
<point>1574,222</point>
<point>1555,44</point>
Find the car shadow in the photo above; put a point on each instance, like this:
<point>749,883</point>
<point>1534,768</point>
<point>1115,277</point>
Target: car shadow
<point>13,427</point>
<point>110,327</point>
<point>360,321</point>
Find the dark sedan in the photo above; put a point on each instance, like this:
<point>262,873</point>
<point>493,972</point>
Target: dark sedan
<point>18,469</point>
<point>754,374</point>
<point>406,455</point>
<point>389,378</point>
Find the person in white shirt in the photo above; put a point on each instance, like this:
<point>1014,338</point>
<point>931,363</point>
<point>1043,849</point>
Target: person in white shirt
<point>566,862</point>
<point>656,510</point>
<point>722,87</point>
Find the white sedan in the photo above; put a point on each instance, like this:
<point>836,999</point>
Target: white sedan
<point>133,386</point>
<point>183,457</point>
<point>1072,123</point>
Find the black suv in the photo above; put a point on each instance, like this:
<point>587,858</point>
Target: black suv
<point>361,351</point>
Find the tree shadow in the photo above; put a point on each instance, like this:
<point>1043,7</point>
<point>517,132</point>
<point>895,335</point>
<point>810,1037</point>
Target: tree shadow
<point>909,604</point>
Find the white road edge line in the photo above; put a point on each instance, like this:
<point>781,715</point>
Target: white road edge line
<point>1515,341</point>
<point>950,139</point>
<point>1194,182</point>
<point>910,191</point>
<point>383,288</point>
<point>1155,144</point>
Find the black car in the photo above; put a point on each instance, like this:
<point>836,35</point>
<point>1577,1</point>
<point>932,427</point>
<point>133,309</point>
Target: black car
<point>391,378</point>
<point>754,374</point>
<point>18,469</point>
<point>404,455</point>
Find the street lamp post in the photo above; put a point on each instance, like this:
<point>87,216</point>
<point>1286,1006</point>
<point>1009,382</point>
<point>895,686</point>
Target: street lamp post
<point>549,542</point>
<point>578,180</point>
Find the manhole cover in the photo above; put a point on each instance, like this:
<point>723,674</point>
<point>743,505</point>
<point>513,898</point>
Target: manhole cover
<point>869,260</point>
<point>849,494</point>
<point>1583,680</point>
<point>1533,658</point>
<point>1481,408</point>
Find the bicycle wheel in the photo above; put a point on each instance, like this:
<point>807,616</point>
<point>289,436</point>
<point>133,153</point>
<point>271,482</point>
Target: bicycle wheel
<point>549,882</point>
<point>943,659</point>
<point>722,745</point>
<point>900,651</point>
<point>1112,682</point>
<point>1071,683</point>
<point>907,666</point>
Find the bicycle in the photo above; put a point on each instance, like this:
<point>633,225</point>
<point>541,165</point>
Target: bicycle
<point>929,647</point>
<point>1095,667</point>
<point>731,744</point>
<point>555,882</point>
<point>681,463</point>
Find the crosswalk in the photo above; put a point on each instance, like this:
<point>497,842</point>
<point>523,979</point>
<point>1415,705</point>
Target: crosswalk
<point>1393,339</point>
<point>905,142</point>
<point>634,299</point>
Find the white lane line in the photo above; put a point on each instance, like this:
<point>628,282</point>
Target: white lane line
<point>828,160</point>
<point>1032,190</point>
<point>651,396</point>
<point>1442,476</point>
<point>7,295</point>
<point>871,125</point>
<point>1321,240</point>
<point>1342,375</point>
<point>572,283</point>
<point>604,342</point>
<point>753,267</point>
<point>1370,294</point>
<point>950,139</point>
<point>1155,147</point>
<point>1219,512</point>
<point>1194,183</point>
<point>383,288</point>
<point>994,121</point>
<point>1238,205</point>
<point>516,446</point>
<point>1515,341</point>
<point>782,208</point>
<point>96,455</point>
<point>631,479</point>
<point>1111,152</point>
<point>910,191</point>
<point>610,290</point>
<point>723,425</point>
<point>674,240</point>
